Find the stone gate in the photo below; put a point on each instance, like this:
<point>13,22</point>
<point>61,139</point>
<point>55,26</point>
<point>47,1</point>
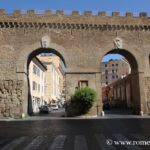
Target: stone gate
<point>81,41</point>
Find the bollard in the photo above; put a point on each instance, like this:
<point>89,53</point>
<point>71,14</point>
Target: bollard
<point>102,113</point>
<point>23,115</point>
<point>141,113</point>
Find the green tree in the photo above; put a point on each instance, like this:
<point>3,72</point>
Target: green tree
<point>81,101</point>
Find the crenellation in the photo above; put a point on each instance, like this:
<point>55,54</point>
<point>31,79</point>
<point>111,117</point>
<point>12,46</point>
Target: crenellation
<point>88,13</point>
<point>30,12</point>
<point>142,14</point>
<point>115,14</point>
<point>129,14</point>
<point>75,13</point>
<point>48,12</point>
<point>59,12</point>
<point>17,12</point>
<point>102,13</point>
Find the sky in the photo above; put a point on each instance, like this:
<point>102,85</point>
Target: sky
<point>122,6</point>
<point>109,6</point>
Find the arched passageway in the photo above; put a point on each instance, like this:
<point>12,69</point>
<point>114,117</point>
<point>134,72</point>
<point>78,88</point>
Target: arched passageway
<point>46,80</point>
<point>124,91</point>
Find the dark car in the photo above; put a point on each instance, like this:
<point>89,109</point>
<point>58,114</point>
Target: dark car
<point>45,109</point>
<point>106,105</point>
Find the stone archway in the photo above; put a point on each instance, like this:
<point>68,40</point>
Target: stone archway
<point>23,60</point>
<point>137,78</point>
<point>32,56</point>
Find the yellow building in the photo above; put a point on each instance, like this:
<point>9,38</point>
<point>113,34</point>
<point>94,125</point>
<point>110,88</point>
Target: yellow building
<point>54,78</point>
<point>37,79</point>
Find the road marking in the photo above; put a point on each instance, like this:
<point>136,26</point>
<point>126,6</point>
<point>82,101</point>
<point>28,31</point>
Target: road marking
<point>35,143</point>
<point>80,143</point>
<point>120,137</point>
<point>102,141</point>
<point>13,143</point>
<point>58,143</point>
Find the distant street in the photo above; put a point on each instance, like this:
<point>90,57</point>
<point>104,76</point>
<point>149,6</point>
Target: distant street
<point>73,134</point>
<point>54,113</point>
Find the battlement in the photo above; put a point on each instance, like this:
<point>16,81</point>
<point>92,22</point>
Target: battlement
<point>73,13</point>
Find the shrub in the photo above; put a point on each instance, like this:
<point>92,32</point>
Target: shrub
<point>81,101</point>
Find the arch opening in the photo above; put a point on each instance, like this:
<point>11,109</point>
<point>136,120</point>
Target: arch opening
<point>128,56</point>
<point>46,82</point>
<point>120,82</point>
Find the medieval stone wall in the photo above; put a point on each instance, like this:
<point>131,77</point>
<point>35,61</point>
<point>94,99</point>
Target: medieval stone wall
<point>11,98</point>
<point>82,40</point>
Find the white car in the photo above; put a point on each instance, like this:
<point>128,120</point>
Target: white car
<point>54,107</point>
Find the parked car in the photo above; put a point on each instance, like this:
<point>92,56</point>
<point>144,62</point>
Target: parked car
<point>54,107</point>
<point>106,105</point>
<point>45,109</point>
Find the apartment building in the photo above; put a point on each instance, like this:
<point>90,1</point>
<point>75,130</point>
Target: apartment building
<point>113,70</point>
<point>37,79</point>
<point>54,78</point>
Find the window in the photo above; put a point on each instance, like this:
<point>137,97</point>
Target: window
<point>112,71</point>
<point>117,76</point>
<point>83,83</point>
<point>38,87</point>
<point>34,85</point>
<point>106,71</point>
<point>105,65</point>
<point>112,64</point>
<point>116,64</point>
<point>34,69</point>
<point>116,70</point>
<point>106,82</point>
<point>106,77</point>
<point>113,77</point>
<point>38,71</point>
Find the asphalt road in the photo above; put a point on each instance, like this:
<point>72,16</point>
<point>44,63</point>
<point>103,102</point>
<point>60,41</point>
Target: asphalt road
<point>75,134</point>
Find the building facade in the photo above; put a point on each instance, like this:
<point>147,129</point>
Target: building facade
<point>54,78</point>
<point>113,70</point>
<point>119,92</point>
<point>37,80</point>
